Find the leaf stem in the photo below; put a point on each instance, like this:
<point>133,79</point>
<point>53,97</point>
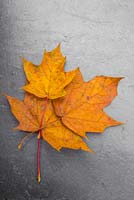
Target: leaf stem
<point>38,148</point>
<point>38,157</point>
<point>21,142</point>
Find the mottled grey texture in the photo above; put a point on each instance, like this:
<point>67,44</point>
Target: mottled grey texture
<point>98,36</point>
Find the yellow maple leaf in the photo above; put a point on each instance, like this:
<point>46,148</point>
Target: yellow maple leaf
<point>48,79</point>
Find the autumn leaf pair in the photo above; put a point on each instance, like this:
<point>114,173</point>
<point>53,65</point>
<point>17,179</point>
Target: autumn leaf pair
<point>60,105</point>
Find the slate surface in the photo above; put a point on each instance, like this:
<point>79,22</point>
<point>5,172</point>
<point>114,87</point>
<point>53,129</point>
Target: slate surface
<point>98,36</point>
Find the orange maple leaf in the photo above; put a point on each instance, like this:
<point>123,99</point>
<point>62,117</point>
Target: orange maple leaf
<point>81,110</point>
<point>48,79</point>
<point>36,114</point>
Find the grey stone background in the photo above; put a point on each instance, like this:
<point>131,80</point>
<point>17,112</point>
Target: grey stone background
<point>97,36</point>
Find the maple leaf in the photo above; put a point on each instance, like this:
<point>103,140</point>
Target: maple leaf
<point>36,114</point>
<point>48,79</point>
<point>81,109</point>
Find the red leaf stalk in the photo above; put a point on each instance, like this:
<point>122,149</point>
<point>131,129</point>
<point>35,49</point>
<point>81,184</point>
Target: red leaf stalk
<point>38,148</point>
